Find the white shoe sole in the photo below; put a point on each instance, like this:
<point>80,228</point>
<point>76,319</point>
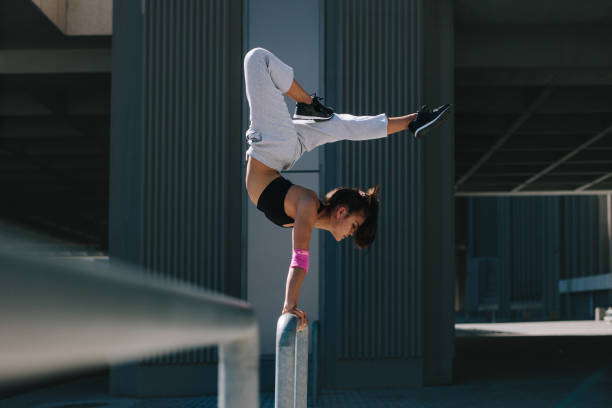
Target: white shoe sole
<point>311,117</point>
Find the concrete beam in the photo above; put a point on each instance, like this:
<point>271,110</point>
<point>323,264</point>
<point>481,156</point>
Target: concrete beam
<point>594,182</point>
<point>57,61</point>
<point>564,158</point>
<point>49,126</point>
<point>586,284</point>
<point>513,128</point>
<point>17,104</point>
<point>79,17</point>
<point>520,175</point>
<point>535,76</point>
<point>550,124</point>
<point>535,142</point>
<point>530,193</point>
<point>538,12</point>
<point>514,100</point>
<point>531,45</point>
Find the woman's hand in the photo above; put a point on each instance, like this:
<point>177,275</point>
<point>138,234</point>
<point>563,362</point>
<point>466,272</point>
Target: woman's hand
<point>299,313</point>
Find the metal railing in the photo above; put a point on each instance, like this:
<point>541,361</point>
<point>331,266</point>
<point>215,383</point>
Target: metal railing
<point>291,379</point>
<point>57,316</point>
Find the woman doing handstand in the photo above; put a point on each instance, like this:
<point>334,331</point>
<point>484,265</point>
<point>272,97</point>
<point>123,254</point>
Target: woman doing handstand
<point>276,142</point>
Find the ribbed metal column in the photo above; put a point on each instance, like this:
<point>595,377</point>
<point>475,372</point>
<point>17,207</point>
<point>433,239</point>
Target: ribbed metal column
<point>373,79</point>
<point>543,240</point>
<point>585,248</point>
<point>188,213</point>
<point>373,297</point>
<point>191,144</point>
<point>527,254</point>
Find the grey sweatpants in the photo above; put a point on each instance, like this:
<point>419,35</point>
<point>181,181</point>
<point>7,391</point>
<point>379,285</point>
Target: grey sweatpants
<point>273,137</point>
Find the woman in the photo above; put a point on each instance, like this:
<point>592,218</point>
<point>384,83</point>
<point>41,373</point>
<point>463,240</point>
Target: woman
<point>277,142</point>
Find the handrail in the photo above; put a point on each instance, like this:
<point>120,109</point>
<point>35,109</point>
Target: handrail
<point>58,315</point>
<point>291,378</point>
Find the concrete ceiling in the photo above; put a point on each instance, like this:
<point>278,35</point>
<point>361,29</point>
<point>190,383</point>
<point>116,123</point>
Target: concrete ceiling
<point>533,97</point>
<point>54,128</point>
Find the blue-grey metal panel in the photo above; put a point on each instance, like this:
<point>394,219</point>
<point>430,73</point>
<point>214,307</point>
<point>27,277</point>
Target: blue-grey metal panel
<point>187,200</point>
<point>542,240</point>
<point>485,281</point>
<point>126,136</point>
<point>191,142</point>
<point>527,248</point>
<point>488,281</point>
<point>374,64</point>
<point>484,229</point>
<point>377,288</point>
<point>550,290</point>
<point>585,245</point>
<point>437,59</point>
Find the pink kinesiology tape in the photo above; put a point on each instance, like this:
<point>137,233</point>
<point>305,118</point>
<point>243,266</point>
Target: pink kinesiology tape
<point>300,259</point>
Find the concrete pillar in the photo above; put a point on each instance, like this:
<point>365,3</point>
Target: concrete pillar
<point>437,74</point>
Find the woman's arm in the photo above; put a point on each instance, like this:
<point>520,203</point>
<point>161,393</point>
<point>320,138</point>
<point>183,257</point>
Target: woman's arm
<point>306,214</point>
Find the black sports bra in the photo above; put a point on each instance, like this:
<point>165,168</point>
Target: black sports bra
<point>272,201</point>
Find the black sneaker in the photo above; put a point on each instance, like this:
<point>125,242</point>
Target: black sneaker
<point>428,119</point>
<point>315,110</point>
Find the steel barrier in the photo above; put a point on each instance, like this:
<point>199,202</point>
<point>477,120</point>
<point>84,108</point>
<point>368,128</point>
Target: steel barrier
<point>291,378</point>
<point>58,315</point>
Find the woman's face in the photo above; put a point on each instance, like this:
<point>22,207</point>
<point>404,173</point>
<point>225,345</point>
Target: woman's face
<point>343,224</point>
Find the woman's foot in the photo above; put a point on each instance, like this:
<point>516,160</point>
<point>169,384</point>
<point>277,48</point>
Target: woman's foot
<point>428,119</point>
<point>314,110</point>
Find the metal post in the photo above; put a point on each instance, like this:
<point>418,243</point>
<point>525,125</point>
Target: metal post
<point>284,384</point>
<point>314,394</point>
<point>291,378</point>
<point>301,368</point>
<point>239,373</point>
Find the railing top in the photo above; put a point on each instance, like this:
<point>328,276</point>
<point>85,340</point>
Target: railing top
<point>59,314</point>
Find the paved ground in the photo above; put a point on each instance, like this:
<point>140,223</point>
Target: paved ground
<point>579,389</point>
<point>565,328</point>
<point>491,370</point>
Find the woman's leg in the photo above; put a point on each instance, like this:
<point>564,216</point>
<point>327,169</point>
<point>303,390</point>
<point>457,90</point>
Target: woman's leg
<point>266,75</point>
<point>271,135</point>
<point>350,127</point>
<point>298,94</point>
<point>399,123</point>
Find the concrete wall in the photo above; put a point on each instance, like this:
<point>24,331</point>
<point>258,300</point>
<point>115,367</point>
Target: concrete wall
<point>536,258</point>
<point>438,210</point>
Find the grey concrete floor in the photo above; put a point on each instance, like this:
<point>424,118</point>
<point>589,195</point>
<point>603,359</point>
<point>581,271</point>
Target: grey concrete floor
<point>574,386</point>
<point>568,389</point>
<point>490,371</point>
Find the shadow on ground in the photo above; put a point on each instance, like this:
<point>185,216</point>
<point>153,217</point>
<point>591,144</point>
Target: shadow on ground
<point>489,371</point>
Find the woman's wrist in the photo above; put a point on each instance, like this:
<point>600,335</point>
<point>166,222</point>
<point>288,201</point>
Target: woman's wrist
<point>287,307</point>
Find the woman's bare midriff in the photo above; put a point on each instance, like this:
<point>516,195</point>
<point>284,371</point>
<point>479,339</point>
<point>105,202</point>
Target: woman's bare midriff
<point>258,176</point>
